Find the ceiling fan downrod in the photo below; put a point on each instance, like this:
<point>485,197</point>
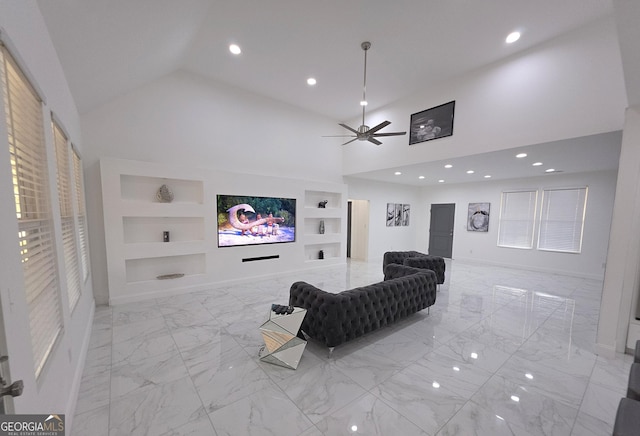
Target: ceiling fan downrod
<point>365,46</point>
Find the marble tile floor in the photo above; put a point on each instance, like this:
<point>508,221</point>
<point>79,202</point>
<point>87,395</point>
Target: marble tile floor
<point>502,352</point>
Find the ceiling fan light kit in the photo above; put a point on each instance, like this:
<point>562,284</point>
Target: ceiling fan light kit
<point>364,132</point>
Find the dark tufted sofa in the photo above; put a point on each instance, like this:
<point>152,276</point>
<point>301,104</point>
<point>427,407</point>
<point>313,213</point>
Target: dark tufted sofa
<point>333,319</point>
<point>416,260</point>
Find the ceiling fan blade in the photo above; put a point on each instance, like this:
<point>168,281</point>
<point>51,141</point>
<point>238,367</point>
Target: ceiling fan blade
<point>348,128</point>
<point>390,134</point>
<point>349,142</point>
<point>374,140</point>
<point>338,136</point>
<point>382,125</point>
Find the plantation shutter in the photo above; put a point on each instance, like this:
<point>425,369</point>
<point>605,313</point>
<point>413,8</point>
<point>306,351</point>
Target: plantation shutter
<point>66,215</point>
<point>82,215</point>
<point>517,217</point>
<point>562,219</point>
<point>27,154</point>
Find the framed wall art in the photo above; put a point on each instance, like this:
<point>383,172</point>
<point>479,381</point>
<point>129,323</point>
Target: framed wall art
<point>433,123</point>
<point>398,214</point>
<point>478,217</point>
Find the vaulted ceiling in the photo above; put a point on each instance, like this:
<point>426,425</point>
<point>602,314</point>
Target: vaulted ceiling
<point>108,48</point>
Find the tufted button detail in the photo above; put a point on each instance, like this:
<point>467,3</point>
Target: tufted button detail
<point>336,318</point>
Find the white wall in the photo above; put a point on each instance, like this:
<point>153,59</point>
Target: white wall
<point>622,276</point>
<point>482,247</point>
<point>186,119</point>
<point>381,237</point>
<point>56,390</point>
<point>569,87</point>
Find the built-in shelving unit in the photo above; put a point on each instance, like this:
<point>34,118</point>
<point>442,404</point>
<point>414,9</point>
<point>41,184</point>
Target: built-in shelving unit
<point>331,243</point>
<point>139,258</point>
<point>135,222</point>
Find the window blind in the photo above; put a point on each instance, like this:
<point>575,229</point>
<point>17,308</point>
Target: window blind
<point>27,154</point>
<point>66,215</point>
<point>82,215</point>
<point>562,219</point>
<point>517,217</point>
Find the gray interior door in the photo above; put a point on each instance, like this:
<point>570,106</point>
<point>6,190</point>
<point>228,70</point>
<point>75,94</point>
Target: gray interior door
<point>441,229</point>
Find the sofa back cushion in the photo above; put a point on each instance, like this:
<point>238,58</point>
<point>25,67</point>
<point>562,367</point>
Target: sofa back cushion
<point>336,318</point>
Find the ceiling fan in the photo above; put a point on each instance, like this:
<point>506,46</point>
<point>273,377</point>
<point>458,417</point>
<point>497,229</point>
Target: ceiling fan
<point>364,132</point>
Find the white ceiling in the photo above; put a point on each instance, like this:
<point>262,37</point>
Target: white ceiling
<point>108,48</point>
<point>590,153</point>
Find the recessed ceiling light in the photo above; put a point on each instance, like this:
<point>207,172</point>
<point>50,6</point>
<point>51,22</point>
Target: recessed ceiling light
<point>235,49</point>
<point>550,170</point>
<point>513,37</point>
<point>470,172</point>
<point>311,81</point>
<point>474,355</point>
<point>435,385</point>
<point>363,103</point>
<point>441,181</point>
<point>488,176</point>
<point>515,398</point>
<point>536,164</point>
<point>421,177</point>
<point>397,173</point>
<point>529,376</point>
<point>455,368</point>
<point>521,155</point>
<point>448,166</point>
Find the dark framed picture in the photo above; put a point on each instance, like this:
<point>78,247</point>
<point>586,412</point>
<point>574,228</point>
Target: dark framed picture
<point>391,214</point>
<point>478,217</point>
<point>433,123</point>
<point>406,212</point>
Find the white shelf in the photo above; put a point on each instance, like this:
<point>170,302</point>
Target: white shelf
<point>331,250</point>
<point>162,249</point>
<point>313,197</point>
<point>149,268</point>
<point>318,212</point>
<point>137,229</point>
<point>143,189</point>
<point>175,209</point>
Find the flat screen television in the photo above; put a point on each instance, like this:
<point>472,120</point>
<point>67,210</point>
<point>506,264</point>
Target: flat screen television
<point>244,220</point>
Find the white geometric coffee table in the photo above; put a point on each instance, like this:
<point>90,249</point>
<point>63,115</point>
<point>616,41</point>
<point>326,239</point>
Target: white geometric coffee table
<point>280,334</point>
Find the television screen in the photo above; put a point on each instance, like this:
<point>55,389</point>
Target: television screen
<point>255,220</point>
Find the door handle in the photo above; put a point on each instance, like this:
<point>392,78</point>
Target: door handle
<point>14,389</point>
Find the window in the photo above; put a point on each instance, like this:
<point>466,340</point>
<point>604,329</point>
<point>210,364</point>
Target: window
<point>82,215</point>
<point>27,154</point>
<point>517,216</point>
<point>562,219</point>
<point>66,215</point>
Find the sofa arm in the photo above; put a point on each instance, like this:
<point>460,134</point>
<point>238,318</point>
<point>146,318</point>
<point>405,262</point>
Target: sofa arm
<point>322,321</point>
<point>394,270</point>
<point>434,263</point>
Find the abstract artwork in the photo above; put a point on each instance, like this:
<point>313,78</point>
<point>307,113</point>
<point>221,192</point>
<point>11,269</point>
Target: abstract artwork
<point>398,214</point>
<point>478,217</point>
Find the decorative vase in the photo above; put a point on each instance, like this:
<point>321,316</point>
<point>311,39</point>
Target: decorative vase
<point>165,236</point>
<point>321,227</point>
<point>321,254</point>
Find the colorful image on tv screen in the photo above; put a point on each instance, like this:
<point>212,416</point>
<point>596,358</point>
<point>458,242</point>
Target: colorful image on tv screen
<point>244,220</point>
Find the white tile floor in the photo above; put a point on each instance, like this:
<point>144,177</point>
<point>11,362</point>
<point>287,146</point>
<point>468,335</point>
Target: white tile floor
<point>502,352</point>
